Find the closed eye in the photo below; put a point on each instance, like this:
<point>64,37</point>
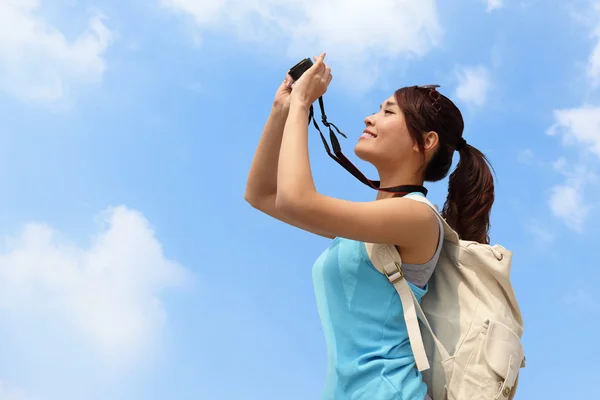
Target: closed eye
<point>385,112</point>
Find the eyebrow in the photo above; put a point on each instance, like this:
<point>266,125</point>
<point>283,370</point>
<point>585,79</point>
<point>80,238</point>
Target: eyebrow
<point>388,103</point>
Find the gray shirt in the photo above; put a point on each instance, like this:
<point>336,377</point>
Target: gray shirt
<point>419,274</point>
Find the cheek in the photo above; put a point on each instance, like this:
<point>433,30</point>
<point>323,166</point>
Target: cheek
<point>397,137</point>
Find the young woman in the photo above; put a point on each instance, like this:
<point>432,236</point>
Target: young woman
<point>410,140</point>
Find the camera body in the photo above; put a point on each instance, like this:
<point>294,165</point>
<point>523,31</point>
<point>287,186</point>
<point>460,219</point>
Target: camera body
<point>297,70</point>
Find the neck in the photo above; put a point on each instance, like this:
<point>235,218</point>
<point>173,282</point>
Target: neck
<point>390,179</point>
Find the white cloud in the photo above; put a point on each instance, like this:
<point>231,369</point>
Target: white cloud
<point>473,85</point>
<point>38,62</point>
<point>567,203</point>
<point>109,293</point>
<point>567,200</point>
<point>358,36</point>
<point>10,393</point>
<point>578,126</point>
<point>494,4</point>
<point>593,66</point>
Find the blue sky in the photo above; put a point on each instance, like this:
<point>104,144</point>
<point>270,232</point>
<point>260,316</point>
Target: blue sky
<point>132,268</point>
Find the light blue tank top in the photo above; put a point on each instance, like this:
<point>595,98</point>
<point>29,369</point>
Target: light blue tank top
<point>368,352</point>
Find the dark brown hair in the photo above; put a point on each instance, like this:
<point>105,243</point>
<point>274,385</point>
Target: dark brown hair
<point>471,185</point>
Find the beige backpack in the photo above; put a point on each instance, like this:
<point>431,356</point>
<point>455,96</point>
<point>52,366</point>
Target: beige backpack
<point>470,314</point>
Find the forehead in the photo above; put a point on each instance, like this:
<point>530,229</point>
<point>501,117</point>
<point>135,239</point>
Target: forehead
<point>389,102</point>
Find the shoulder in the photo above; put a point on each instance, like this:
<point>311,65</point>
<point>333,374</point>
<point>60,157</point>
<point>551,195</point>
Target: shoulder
<point>425,221</point>
<point>401,221</point>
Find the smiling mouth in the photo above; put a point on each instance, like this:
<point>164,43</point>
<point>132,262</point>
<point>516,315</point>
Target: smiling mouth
<point>368,135</point>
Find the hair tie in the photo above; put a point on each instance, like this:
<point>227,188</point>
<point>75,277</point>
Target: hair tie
<point>461,143</point>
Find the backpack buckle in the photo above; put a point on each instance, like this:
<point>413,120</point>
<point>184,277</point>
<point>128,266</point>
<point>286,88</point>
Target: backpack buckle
<point>396,275</point>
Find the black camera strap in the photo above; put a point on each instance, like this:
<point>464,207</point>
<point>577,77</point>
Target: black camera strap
<point>341,159</point>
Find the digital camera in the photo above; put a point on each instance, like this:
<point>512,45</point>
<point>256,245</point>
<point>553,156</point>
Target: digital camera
<point>297,70</point>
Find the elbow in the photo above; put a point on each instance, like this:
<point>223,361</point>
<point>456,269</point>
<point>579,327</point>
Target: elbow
<point>252,199</point>
<point>248,197</point>
<point>265,202</point>
<point>289,204</point>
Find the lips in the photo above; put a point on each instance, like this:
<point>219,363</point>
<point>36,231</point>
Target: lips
<point>368,134</point>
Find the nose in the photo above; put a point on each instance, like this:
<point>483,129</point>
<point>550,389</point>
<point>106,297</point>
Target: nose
<point>369,121</point>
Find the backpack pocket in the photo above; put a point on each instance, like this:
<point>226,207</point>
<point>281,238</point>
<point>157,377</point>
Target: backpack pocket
<point>493,366</point>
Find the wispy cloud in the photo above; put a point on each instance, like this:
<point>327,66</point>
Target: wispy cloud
<point>578,126</point>
<point>542,236</point>
<point>567,199</point>
<point>38,62</point>
<point>109,293</point>
<point>494,4</point>
<point>533,158</point>
<point>358,36</point>
<point>579,129</point>
<point>473,85</point>
<point>7,393</point>
<point>526,156</point>
<point>567,202</point>
<point>593,65</point>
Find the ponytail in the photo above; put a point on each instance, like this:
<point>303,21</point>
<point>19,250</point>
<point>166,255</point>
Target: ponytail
<point>471,185</point>
<point>470,196</point>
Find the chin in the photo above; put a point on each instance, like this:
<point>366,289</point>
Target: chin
<point>363,151</point>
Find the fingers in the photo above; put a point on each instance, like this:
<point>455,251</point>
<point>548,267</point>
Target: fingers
<point>319,63</point>
<point>320,67</point>
<point>326,73</point>
<point>319,59</point>
<point>287,81</point>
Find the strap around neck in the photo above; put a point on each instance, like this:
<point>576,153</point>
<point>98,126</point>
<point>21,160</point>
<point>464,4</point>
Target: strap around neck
<point>341,159</point>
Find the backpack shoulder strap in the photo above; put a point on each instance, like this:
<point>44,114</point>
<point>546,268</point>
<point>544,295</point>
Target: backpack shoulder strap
<point>386,259</point>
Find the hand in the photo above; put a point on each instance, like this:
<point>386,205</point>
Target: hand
<point>313,83</point>
<point>282,96</point>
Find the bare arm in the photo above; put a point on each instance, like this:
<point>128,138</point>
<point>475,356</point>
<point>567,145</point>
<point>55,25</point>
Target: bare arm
<point>403,222</point>
<point>261,188</point>
<point>262,178</point>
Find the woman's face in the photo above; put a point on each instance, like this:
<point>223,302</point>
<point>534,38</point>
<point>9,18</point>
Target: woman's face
<point>386,138</point>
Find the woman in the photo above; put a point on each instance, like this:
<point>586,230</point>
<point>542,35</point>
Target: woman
<point>411,139</point>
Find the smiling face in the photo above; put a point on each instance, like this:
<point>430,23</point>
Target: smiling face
<point>388,144</point>
<point>386,139</point>
<point>388,124</point>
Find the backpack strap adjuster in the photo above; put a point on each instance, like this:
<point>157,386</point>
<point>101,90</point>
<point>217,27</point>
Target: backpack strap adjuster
<point>396,274</point>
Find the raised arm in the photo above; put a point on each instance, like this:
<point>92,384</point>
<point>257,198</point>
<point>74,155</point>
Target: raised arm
<point>261,187</point>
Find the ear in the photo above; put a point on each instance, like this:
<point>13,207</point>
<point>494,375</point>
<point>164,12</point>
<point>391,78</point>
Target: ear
<point>430,140</point>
